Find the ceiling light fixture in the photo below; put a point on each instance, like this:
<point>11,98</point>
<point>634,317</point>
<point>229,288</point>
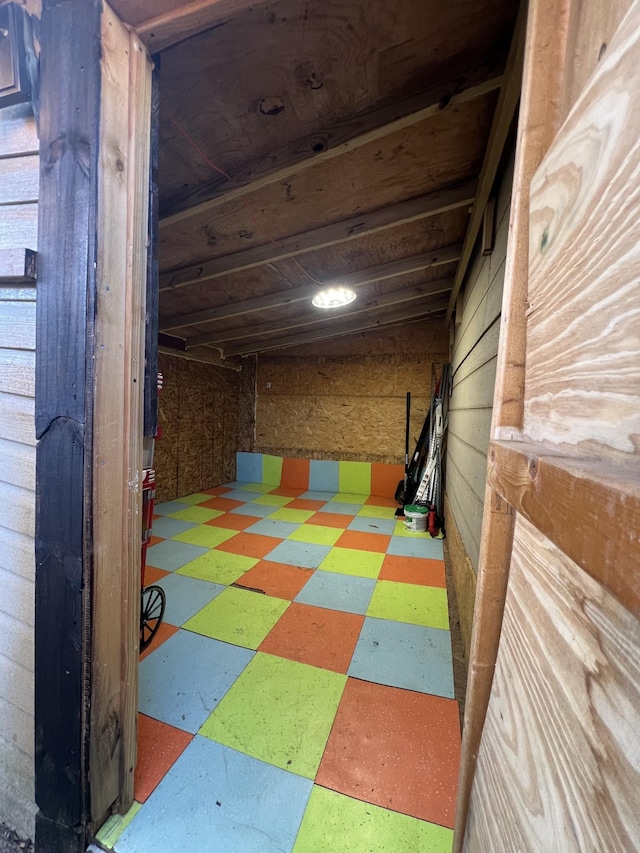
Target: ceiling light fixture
<point>333,297</point>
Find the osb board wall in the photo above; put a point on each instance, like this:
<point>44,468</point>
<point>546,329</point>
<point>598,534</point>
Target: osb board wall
<point>558,763</point>
<point>346,398</point>
<point>463,578</point>
<point>247,405</point>
<point>201,421</point>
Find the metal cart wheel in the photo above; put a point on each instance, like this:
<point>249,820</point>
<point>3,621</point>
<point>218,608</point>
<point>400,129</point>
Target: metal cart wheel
<point>152,605</point>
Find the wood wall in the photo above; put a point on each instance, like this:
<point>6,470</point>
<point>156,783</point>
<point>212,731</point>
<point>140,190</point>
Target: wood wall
<point>346,399</point>
<point>205,415</point>
<point>474,359</point>
<point>18,230</point>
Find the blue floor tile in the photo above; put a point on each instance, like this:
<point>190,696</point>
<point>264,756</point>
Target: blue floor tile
<point>340,508</point>
<point>324,475</point>
<point>249,467</point>
<point>273,527</point>
<point>219,800</point>
<point>304,554</point>
<point>171,555</point>
<point>259,510</point>
<point>168,527</point>
<point>402,546</point>
<point>372,525</point>
<point>185,596</point>
<point>317,496</point>
<point>337,592</point>
<point>407,656</point>
<point>169,507</point>
<point>241,494</point>
<point>237,484</point>
<point>185,678</point>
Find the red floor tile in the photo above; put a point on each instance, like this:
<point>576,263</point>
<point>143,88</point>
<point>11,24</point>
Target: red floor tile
<point>413,570</point>
<point>217,490</point>
<point>283,492</point>
<point>395,748</point>
<point>153,575</point>
<point>154,540</point>
<point>316,636</point>
<point>250,545</point>
<point>331,519</point>
<point>233,522</point>
<point>303,503</point>
<point>277,579</point>
<point>377,542</point>
<point>224,504</point>
<point>164,632</point>
<point>379,500</point>
<point>159,746</point>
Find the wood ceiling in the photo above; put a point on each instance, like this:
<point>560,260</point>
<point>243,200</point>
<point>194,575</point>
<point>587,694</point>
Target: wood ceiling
<point>309,143</point>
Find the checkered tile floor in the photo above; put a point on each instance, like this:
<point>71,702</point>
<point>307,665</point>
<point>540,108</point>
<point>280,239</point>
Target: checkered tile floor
<point>299,694</point>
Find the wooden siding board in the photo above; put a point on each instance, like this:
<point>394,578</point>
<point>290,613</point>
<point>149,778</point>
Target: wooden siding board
<point>17,598</point>
<point>18,466</point>
<point>19,177</point>
<point>476,390</point>
<point>17,325</point>
<point>17,371</point>
<point>467,510</point>
<point>19,226</point>
<point>18,133</point>
<point>17,553</point>
<point>17,732</point>
<point>16,640</point>
<point>17,419</point>
<point>16,774</point>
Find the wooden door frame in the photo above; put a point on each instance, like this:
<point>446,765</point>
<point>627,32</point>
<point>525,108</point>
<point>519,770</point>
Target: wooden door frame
<point>92,257</point>
<point>519,478</point>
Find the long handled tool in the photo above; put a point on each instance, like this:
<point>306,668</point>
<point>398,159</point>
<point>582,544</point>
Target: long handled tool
<point>401,491</point>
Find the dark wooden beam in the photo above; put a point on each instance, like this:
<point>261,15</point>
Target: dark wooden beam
<point>340,328</point>
<point>370,303</point>
<point>182,20</point>
<point>17,266</point>
<point>403,266</point>
<point>500,127</point>
<point>392,216</point>
<point>346,136</point>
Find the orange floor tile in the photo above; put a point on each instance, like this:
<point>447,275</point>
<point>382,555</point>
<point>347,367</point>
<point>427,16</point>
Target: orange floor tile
<point>224,504</point>
<point>159,746</point>
<point>277,579</point>
<point>379,500</point>
<point>303,503</point>
<point>155,539</point>
<point>217,490</point>
<point>331,519</point>
<point>164,632</point>
<point>233,522</point>
<point>295,473</point>
<point>250,545</point>
<point>284,492</point>
<point>417,570</point>
<point>377,542</point>
<point>395,748</point>
<point>315,636</point>
<point>151,574</point>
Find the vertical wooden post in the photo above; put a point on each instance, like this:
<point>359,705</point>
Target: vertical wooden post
<point>540,116</point>
<point>89,380</point>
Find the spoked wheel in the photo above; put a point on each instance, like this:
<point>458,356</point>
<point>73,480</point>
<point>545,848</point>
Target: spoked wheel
<point>152,606</point>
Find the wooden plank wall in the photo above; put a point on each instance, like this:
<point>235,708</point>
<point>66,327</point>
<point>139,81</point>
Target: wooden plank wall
<point>473,361</point>
<point>18,229</point>
<point>349,401</point>
<point>202,419</point>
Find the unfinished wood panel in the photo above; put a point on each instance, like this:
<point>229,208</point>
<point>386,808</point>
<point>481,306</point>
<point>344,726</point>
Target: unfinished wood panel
<point>17,419</point>
<point>19,178</point>
<point>17,509</point>
<point>200,420</point>
<point>16,553</point>
<point>247,405</point>
<point>557,769</point>
<point>17,371</point>
<point>17,325</point>
<point>463,579</point>
<point>17,600</point>
<point>582,382</point>
<point>18,464</point>
<point>18,134</point>
<point>18,226</point>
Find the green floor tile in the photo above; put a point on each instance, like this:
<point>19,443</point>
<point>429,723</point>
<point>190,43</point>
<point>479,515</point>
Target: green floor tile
<point>354,478</point>
<point>218,567</point>
<point>348,561</point>
<point>258,487</point>
<point>116,825</point>
<point>272,470</point>
<point>272,500</point>
<point>197,498</point>
<point>335,822</point>
<point>238,616</point>
<point>348,498</point>
<point>296,515</point>
<point>316,534</point>
<point>405,602</point>
<point>279,711</point>
<point>206,535</point>
<point>197,514</point>
<point>377,511</point>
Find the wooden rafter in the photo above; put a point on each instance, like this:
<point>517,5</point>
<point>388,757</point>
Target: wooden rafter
<point>203,355</point>
<point>185,20</point>
<point>502,121</point>
<point>372,303</point>
<point>392,216</point>
<point>338,329</point>
<point>318,148</point>
<point>402,266</point>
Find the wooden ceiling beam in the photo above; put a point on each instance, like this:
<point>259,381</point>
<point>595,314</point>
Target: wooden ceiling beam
<point>337,329</point>
<point>346,136</point>
<point>392,216</point>
<point>502,120</point>
<point>204,355</point>
<point>370,303</point>
<point>392,269</point>
<point>184,20</point>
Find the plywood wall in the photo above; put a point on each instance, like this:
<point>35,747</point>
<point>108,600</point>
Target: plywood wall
<point>348,400</point>
<point>204,416</point>
<point>18,229</point>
